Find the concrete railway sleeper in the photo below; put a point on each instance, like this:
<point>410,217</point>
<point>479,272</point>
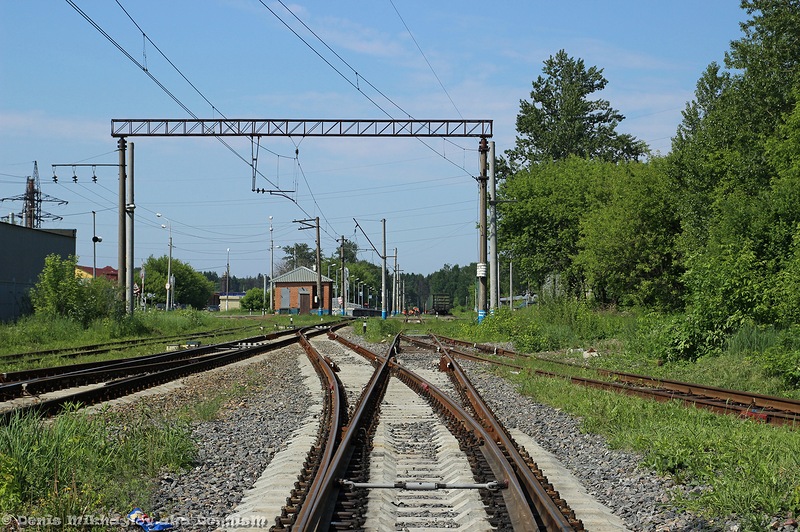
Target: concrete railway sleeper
<point>119,378</point>
<point>345,500</point>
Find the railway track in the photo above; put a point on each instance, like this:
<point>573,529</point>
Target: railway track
<point>399,439</point>
<point>769,409</point>
<point>47,390</point>
<point>96,349</point>
<point>399,450</point>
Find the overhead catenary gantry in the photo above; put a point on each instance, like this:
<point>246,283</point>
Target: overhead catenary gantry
<point>256,128</point>
<point>181,127</point>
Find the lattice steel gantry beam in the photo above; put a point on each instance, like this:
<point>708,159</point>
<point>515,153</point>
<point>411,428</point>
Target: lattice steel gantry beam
<point>198,127</point>
<point>180,127</point>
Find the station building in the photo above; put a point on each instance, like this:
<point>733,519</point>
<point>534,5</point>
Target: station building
<point>296,292</point>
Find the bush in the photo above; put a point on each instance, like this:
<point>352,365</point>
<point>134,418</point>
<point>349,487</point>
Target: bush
<point>60,294</point>
<point>783,359</point>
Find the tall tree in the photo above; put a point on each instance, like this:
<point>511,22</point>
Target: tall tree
<point>298,254</point>
<point>561,120</point>
<point>627,245</point>
<point>539,225</point>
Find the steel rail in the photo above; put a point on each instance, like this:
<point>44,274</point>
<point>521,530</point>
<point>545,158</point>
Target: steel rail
<point>778,411</point>
<point>126,386</point>
<point>461,354</point>
<point>486,348</point>
<point>71,369</point>
<point>319,508</point>
<point>93,349</point>
<point>554,511</point>
<point>120,368</point>
<point>298,510</point>
<point>520,511</point>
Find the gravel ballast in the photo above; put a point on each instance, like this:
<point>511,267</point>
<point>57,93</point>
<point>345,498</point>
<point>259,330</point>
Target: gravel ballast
<point>236,448</point>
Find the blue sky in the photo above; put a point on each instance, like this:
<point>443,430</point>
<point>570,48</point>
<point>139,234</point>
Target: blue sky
<point>61,83</point>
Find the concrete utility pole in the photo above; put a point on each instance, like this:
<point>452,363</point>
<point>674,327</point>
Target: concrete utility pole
<point>271,267</point>
<point>342,292</point>
<point>494,267</point>
<point>307,225</point>
<point>129,207</point>
<point>121,260</point>
<point>481,267</point>
<point>383,273</point>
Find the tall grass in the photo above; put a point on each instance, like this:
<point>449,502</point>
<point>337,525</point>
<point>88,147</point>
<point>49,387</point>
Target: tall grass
<point>32,333</point>
<point>742,467</point>
<point>78,464</point>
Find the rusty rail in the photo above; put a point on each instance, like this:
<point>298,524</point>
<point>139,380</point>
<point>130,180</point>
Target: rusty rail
<point>778,411</point>
<point>307,489</point>
<point>523,512</point>
<point>552,509</point>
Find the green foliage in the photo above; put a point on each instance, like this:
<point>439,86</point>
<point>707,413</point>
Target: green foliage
<point>727,287</point>
<point>456,281</point>
<point>783,359</point>
<point>60,294</point>
<point>556,324</point>
<point>745,468</point>
<point>627,244</point>
<point>561,121</point>
<point>191,287</point>
<point>540,225</point>
<point>253,299</point>
<point>79,464</point>
<point>298,254</point>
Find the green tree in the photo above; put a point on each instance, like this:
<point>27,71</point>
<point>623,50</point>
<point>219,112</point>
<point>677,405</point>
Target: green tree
<point>539,222</point>
<point>736,182</point>
<point>561,120</point>
<point>627,245</point>
<point>191,287</point>
<point>253,299</point>
<point>298,254</point>
<point>59,292</point>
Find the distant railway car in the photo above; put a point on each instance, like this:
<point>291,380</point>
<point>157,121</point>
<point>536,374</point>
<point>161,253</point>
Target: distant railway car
<point>441,303</point>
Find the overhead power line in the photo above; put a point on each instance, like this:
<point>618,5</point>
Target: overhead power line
<point>149,74</point>
<point>425,58</point>
<point>357,75</point>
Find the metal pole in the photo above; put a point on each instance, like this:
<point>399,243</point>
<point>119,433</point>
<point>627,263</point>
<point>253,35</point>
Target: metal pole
<point>271,268</point>
<point>94,245</point>
<point>510,284</point>
<point>320,298</point>
<point>494,267</point>
<point>121,262</point>
<point>227,277</point>
<point>394,285</point>
<point>383,274</point>
<point>129,207</point>
<point>170,287</point>
<point>481,267</point>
